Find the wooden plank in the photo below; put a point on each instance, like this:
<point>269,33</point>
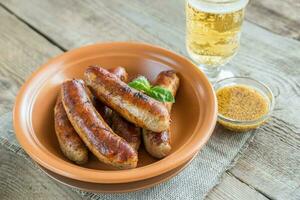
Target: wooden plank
<point>271,163</point>
<point>90,26</point>
<point>276,56</point>
<point>32,175</point>
<point>13,184</point>
<point>16,182</point>
<point>22,50</point>
<point>21,179</point>
<point>277,60</point>
<point>232,188</point>
<point>280,17</point>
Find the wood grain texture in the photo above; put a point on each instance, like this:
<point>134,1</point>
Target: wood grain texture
<point>22,50</point>
<point>17,182</point>
<point>232,188</point>
<point>280,17</point>
<point>21,179</point>
<point>76,23</point>
<point>273,64</point>
<point>270,164</point>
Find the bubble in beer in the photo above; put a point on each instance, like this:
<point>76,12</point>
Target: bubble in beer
<point>213,30</point>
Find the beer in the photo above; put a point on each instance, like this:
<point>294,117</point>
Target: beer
<point>213,30</point>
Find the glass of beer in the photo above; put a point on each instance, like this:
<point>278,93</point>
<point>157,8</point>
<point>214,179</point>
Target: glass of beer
<point>213,29</point>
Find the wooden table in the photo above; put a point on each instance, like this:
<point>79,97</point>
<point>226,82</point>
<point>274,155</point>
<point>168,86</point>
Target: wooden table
<point>33,31</point>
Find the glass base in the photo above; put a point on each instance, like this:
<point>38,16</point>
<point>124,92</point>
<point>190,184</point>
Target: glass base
<point>215,74</point>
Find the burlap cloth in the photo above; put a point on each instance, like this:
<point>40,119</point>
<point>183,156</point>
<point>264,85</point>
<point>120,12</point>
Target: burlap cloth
<point>194,182</point>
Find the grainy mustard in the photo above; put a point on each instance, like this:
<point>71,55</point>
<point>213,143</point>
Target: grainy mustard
<point>241,103</point>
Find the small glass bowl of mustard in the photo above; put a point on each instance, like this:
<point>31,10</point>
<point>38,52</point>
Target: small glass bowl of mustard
<point>243,103</point>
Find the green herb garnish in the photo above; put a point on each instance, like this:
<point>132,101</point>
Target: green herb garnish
<point>156,92</point>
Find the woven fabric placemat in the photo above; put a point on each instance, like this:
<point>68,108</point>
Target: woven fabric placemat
<point>194,182</point>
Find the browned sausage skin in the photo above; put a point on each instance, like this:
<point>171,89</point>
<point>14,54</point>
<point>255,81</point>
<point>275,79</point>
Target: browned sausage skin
<point>125,129</point>
<point>158,144</point>
<point>169,80</point>
<point>120,72</point>
<point>69,141</point>
<point>107,146</point>
<point>105,111</point>
<point>131,104</point>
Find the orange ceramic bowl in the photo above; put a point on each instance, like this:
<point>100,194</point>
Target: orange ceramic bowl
<point>193,115</point>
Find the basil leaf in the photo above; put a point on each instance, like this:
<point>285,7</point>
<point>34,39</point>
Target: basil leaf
<point>161,94</point>
<point>140,83</point>
<point>156,92</point>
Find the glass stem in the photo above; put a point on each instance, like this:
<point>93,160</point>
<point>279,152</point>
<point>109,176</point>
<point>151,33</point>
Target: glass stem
<point>211,72</point>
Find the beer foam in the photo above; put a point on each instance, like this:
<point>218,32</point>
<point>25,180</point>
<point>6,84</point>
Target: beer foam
<point>218,7</point>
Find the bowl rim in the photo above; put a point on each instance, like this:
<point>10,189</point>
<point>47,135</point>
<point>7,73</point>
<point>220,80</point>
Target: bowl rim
<point>270,97</point>
<point>68,169</point>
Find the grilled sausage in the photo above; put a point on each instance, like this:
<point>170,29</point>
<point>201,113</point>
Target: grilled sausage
<point>105,111</point>
<point>158,144</point>
<point>125,129</point>
<point>131,104</point>
<point>107,146</point>
<point>69,141</point>
<point>120,72</point>
<point>169,80</point>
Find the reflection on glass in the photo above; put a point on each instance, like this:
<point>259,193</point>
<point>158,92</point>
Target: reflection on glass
<point>213,30</point>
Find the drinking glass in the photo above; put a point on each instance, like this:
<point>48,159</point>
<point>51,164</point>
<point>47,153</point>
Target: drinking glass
<point>213,29</point>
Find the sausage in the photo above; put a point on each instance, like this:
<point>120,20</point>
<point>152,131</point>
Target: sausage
<point>107,146</point>
<point>120,72</point>
<point>69,141</point>
<point>130,132</point>
<point>105,111</point>
<point>131,104</point>
<point>169,80</point>
<point>158,144</point>
<point>125,129</point>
